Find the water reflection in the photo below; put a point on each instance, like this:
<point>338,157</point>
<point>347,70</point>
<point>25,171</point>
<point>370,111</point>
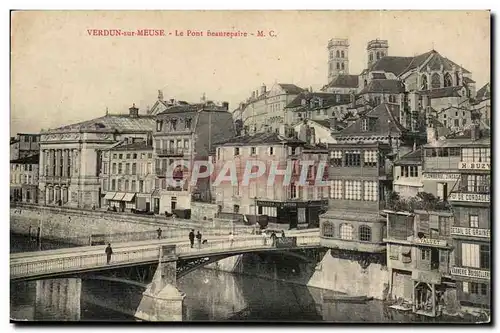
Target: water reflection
<point>210,295</point>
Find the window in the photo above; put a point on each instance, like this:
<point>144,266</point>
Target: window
<point>293,191</point>
<point>370,191</point>
<point>444,226</point>
<point>134,168</point>
<point>435,80</point>
<point>392,99</point>
<point>105,168</point>
<point>456,122</point>
<point>134,184</point>
<point>127,168</point>
<point>271,150</point>
<point>346,231</point>
<point>150,155</point>
<point>474,221</point>
<point>173,123</point>
<point>336,158</point>
<point>114,168</point>
<point>188,123</point>
<point>328,229</point>
<point>343,66</point>
<point>476,155</point>
<point>134,156</point>
<point>253,151</point>
<point>293,150</point>
<point>338,66</point>
<point>365,233</point>
<point>342,54</point>
<point>141,186</point>
<point>352,158</point>
<point>336,189</point>
<point>128,156</point>
<point>370,158</point>
<point>364,124</point>
<point>353,189</point>
<point>371,58</point>
<point>441,190</point>
<point>159,124</point>
<point>484,256</point>
<point>425,254</point>
<point>448,81</point>
<point>115,156</point>
<point>236,151</point>
<point>113,185</point>
<point>478,183</point>
<point>337,54</point>
<point>186,144</point>
<point>218,153</point>
<point>126,185</point>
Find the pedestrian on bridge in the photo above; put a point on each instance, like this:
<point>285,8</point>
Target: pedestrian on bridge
<point>159,231</point>
<point>198,238</point>
<point>191,237</point>
<point>109,252</point>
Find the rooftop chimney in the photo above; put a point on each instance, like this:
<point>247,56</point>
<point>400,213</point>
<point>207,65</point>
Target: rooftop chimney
<point>263,89</point>
<point>133,111</point>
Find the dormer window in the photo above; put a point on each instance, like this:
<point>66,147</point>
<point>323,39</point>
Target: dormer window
<point>364,125</point>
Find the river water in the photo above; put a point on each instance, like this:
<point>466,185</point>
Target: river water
<point>210,296</point>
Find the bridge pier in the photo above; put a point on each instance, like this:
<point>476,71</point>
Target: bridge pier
<point>162,301</point>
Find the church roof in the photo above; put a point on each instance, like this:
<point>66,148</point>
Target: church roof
<point>443,92</point>
<point>113,122</point>
<point>384,86</point>
<point>344,81</point>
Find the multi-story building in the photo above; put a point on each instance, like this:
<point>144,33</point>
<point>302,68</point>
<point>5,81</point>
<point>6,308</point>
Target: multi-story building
<point>360,176</point>
<point>186,133</point>
<point>70,157</point>
<point>470,201</point>
<point>482,104</point>
<point>338,57</point>
<point>317,106</point>
<point>288,203</point>
<point>24,179</point>
<point>24,145</point>
<point>455,118</point>
<point>408,174</point>
<point>265,109</point>
<point>127,176</point>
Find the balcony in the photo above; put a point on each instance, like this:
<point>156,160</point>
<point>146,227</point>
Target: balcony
<point>471,272</point>
<point>470,232</point>
<point>171,151</point>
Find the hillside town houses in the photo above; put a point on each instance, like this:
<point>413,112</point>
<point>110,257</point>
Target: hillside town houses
<point>406,144</point>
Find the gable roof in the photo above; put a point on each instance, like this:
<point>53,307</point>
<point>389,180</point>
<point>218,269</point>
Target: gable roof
<point>384,86</point>
<point>112,122</point>
<point>484,92</point>
<point>387,120</point>
<point>328,99</point>
<point>443,92</point>
<point>343,81</point>
<point>411,158</point>
<point>264,138</point>
<point>291,88</point>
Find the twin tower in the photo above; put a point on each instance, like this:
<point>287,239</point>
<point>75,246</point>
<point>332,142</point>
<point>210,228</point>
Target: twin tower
<point>338,55</point>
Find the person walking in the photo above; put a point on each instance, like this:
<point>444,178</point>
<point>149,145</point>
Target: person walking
<point>109,252</point>
<point>159,231</point>
<point>191,237</point>
<point>231,238</point>
<point>273,237</point>
<point>283,233</point>
<point>198,238</point>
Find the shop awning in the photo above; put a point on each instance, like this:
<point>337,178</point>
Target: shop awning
<point>119,196</point>
<point>109,195</point>
<point>128,197</point>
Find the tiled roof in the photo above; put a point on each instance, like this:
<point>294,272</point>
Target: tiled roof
<point>400,65</point>
<point>291,88</point>
<point>134,146</point>
<point>387,120</point>
<point>182,108</point>
<point>33,159</point>
<point>414,157</point>
<point>443,92</point>
<point>329,99</point>
<point>484,92</point>
<point>264,138</point>
<point>117,122</point>
<point>344,81</point>
<point>468,80</point>
<point>384,86</point>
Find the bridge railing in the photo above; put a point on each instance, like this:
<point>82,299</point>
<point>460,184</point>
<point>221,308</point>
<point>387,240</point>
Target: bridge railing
<point>67,262</point>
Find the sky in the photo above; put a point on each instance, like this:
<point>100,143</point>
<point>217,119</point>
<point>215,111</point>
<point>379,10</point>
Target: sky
<point>60,74</point>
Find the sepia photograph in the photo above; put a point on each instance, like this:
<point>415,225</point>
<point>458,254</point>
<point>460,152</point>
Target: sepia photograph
<point>292,166</point>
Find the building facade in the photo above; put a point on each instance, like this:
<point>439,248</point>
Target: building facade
<point>24,179</point>
<point>24,145</point>
<point>408,174</point>
<point>127,176</point>
<point>182,135</point>
<point>70,157</point>
<point>293,204</point>
<point>360,176</point>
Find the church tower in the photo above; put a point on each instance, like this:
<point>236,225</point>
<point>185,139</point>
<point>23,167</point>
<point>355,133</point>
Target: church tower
<point>377,49</point>
<point>338,57</point>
